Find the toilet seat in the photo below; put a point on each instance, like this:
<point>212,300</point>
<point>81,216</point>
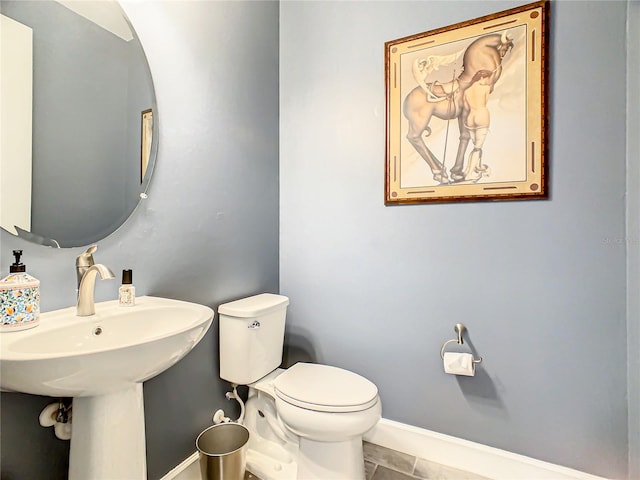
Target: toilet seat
<point>323,388</point>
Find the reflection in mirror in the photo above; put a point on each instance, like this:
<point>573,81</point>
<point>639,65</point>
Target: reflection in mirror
<point>78,141</point>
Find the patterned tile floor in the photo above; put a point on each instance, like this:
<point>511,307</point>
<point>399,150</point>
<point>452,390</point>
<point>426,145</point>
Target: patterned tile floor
<point>385,464</point>
<point>382,463</point>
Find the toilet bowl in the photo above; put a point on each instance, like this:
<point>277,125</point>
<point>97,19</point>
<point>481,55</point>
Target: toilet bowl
<point>310,413</point>
<point>329,409</point>
<point>315,413</point>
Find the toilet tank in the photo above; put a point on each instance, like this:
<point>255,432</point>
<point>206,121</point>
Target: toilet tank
<point>251,337</point>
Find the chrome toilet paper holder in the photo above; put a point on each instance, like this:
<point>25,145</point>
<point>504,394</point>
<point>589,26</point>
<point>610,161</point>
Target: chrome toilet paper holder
<point>459,329</point>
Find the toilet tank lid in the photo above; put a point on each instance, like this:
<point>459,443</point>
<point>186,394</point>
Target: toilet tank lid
<point>254,306</point>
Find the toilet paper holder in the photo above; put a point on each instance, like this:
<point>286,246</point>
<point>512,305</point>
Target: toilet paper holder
<point>459,329</point>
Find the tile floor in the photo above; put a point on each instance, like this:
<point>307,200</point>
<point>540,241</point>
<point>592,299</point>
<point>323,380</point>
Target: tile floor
<point>385,464</point>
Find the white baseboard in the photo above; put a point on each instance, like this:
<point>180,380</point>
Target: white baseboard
<point>189,468</point>
<point>468,456</point>
<point>439,448</point>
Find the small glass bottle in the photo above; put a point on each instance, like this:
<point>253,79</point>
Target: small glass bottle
<point>127,292</point>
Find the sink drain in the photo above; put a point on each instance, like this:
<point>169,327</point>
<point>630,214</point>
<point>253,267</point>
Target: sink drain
<point>97,331</point>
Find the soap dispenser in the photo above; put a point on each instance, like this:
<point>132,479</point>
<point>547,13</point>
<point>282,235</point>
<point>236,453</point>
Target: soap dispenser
<point>19,298</point>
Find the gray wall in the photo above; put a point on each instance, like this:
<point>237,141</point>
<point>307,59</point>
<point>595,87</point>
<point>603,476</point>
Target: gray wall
<point>89,91</point>
<point>208,232</point>
<point>539,284</point>
<point>633,234</point>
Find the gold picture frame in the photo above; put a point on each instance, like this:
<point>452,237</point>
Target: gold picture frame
<point>466,110</point>
<point>146,136</point>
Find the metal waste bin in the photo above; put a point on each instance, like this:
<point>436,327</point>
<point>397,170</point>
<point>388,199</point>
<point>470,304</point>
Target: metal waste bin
<point>222,451</point>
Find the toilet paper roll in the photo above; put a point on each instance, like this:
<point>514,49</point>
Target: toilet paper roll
<point>459,364</point>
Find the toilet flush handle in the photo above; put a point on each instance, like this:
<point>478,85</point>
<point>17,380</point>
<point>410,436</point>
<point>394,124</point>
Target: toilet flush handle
<point>253,325</point>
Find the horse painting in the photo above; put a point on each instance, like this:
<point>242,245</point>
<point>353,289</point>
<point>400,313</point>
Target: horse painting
<point>463,98</point>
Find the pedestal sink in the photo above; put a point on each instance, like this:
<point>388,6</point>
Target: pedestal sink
<point>101,360</point>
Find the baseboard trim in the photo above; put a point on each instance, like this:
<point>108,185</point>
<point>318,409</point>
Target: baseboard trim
<point>466,455</point>
<point>176,473</point>
<point>454,452</point>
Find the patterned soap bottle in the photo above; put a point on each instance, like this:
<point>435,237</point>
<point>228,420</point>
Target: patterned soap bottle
<point>19,298</point>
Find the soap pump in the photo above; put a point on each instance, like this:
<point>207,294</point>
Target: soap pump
<point>19,298</point>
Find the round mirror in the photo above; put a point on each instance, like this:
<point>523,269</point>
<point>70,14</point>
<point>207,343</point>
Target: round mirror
<point>78,130</point>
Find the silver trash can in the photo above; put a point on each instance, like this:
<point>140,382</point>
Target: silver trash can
<point>222,451</point>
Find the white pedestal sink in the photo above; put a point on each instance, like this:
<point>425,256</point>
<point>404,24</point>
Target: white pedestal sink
<point>101,360</point>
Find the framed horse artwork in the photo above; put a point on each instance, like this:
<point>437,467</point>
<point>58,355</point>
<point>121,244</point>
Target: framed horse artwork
<point>466,110</point>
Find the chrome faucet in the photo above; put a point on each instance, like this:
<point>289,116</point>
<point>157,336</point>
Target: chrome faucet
<point>87,271</point>
<point>83,262</point>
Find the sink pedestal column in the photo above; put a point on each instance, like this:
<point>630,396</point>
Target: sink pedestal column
<point>108,437</point>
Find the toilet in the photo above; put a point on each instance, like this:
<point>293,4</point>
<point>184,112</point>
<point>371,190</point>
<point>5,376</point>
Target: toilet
<point>310,413</point>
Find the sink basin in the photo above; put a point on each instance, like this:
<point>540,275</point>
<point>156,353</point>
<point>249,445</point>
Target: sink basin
<point>101,360</point>
<point>71,356</point>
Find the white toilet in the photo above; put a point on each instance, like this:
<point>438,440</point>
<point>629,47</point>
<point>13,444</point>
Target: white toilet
<point>315,412</point>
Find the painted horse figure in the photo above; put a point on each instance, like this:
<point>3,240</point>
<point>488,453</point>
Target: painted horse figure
<point>482,60</point>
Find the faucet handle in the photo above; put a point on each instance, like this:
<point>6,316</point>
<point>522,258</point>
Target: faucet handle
<point>85,259</point>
